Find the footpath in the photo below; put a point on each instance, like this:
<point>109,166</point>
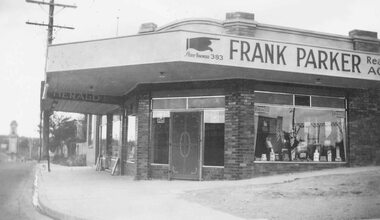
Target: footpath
<point>83,193</point>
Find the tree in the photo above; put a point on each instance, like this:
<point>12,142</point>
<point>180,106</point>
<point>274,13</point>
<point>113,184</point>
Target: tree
<point>62,129</point>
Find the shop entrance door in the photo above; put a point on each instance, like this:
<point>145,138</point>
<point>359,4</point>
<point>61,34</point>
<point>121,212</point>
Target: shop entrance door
<point>185,143</point>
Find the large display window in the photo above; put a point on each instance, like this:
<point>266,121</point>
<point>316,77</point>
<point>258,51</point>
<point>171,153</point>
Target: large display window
<point>299,128</point>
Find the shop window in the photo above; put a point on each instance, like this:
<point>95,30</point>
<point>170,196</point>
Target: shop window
<point>160,127</point>
<point>103,136</point>
<point>116,137</point>
<point>176,103</point>
<point>132,138</point>
<point>214,138</point>
<point>329,102</point>
<point>302,100</point>
<point>208,102</point>
<point>299,134</point>
<point>273,98</point>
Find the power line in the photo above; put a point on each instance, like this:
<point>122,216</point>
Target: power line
<point>44,113</point>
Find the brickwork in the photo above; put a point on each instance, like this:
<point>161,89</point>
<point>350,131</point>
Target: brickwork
<point>130,169</point>
<point>159,171</point>
<point>363,127</point>
<point>239,135</point>
<point>365,41</point>
<point>240,23</point>
<point>363,133</point>
<point>212,173</point>
<point>142,150</point>
<point>265,169</point>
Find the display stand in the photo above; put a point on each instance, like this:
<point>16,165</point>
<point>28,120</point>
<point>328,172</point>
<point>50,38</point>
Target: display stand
<point>98,164</point>
<point>116,161</point>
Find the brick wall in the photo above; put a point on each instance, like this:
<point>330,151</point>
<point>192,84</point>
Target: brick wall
<point>364,127</point>
<point>130,169</point>
<point>212,173</point>
<point>239,134</point>
<point>159,171</point>
<point>264,169</point>
<point>142,150</point>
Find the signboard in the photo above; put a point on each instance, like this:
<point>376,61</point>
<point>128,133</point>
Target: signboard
<point>195,47</point>
<point>261,54</point>
<point>86,97</point>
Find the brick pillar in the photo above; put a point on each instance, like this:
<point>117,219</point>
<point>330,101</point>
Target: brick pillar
<point>363,127</point>
<point>365,40</point>
<point>109,135</point>
<point>240,23</point>
<point>239,135</point>
<point>143,134</point>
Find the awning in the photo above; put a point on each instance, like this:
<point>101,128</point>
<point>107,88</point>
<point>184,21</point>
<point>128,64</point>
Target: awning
<point>113,67</point>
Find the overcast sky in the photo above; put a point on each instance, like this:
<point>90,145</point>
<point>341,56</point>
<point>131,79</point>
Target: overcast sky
<point>22,47</point>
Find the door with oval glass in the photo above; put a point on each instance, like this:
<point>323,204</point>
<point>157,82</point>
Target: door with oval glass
<point>185,145</point>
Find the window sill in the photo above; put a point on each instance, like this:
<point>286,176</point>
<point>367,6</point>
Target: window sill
<point>209,166</point>
<point>159,164</point>
<point>299,162</point>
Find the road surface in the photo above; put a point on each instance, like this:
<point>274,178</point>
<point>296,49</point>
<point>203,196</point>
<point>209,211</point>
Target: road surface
<point>16,188</point>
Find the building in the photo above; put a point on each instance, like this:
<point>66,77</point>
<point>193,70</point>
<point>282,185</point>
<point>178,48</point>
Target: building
<point>207,99</point>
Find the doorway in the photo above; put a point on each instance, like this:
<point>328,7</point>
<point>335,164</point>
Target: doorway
<point>185,145</point>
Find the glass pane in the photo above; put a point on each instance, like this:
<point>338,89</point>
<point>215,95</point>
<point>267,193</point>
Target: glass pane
<point>169,103</point>
<point>302,100</point>
<point>161,140</point>
<point>330,102</point>
<point>321,132</point>
<point>103,139</point>
<point>274,98</point>
<point>214,116</point>
<point>298,134</point>
<point>93,129</point>
<point>161,114</point>
<point>132,138</point>
<point>212,102</point>
<point>116,138</point>
<point>214,144</point>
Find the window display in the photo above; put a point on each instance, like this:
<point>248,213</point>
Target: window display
<point>300,132</point>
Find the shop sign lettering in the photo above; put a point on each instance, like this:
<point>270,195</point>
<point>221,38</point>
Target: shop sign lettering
<point>76,96</point>
<point>263,54</point>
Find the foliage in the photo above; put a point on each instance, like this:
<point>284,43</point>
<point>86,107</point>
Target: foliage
<point>62,129</point>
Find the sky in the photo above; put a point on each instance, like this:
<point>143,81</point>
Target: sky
<point>23,47</point>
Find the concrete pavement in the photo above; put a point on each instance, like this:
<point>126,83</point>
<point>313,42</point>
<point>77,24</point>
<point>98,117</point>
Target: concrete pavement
<point>16,188</point>
<point>83,193</point>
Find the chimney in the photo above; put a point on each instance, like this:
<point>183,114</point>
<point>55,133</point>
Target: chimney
<point>365,40</point>
<point>147,27</point>
<point>240,23</point>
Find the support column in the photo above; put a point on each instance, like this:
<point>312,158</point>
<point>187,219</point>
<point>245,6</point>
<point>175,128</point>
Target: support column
<point>123,147</point>
<point>363,124</point>
<point>142,151</point>
<point>45,135</point>
<point>239,135</point>
<point>97,137</point>
<point>109,135</point>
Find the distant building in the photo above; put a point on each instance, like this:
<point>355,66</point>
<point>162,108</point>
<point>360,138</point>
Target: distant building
<point>208,99</point>
<point>13,138</point>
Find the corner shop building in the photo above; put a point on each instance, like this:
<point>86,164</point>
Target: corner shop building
<point>204,99</point>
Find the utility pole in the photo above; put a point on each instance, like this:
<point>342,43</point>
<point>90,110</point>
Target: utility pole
<point>44,113</point>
